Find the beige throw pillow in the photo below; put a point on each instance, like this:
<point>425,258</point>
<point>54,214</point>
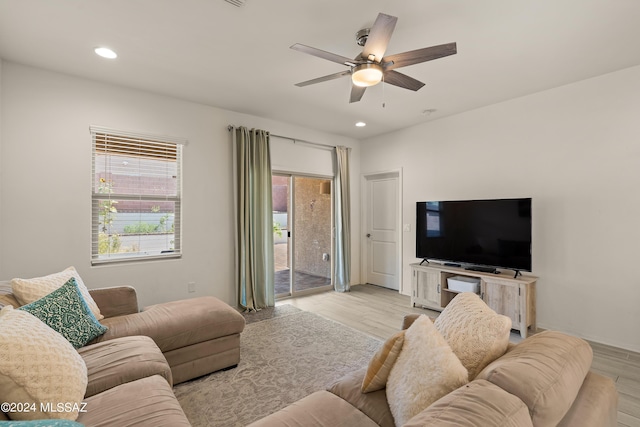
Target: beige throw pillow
<point>425,370</point>
<point>39,368</point>
<point>27,291</point>
<point>381,364</point>
<point>476,333</point>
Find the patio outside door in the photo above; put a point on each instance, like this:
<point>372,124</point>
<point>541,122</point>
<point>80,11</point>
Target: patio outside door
<point>302,234</point>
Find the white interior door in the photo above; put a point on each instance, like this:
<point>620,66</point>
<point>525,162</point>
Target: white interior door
<point>382,230</point>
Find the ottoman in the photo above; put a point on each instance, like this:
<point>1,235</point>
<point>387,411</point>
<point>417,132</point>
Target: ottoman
<point>197,336</point>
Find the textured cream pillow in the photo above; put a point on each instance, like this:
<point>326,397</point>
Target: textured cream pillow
<point>38,367</point>
<point>29,290</point>
<point>476,334</point>
<point>381,364</point>
<point>425,371</point>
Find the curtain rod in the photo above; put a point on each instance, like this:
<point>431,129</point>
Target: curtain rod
<point>295,140</point>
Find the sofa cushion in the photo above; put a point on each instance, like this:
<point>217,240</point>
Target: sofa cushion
<point>545,371</point>
<point>596,404</point>
<point>30,290</point>
<point>476,333</point>
<point>147,402</point>
<point>122,360</point>
<point>38,366</point>
<point>374,405</point>
<point>320,409</point>
<point>66,312</point>
<point>381,363</point>
<point>116,300</point>
<point>6,295</point>
<point>177,324</point>
<point>477,404</point>
<point>426,370</point>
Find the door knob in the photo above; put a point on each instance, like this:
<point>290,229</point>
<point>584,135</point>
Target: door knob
<point>368,234</point>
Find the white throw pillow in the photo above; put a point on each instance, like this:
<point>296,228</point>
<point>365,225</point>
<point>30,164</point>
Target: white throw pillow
<point>38,367</point>
<point>425,370</point>
<point>27,291</point>
<point>476,333</point>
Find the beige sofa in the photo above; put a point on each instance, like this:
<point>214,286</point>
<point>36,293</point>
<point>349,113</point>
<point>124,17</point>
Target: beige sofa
<point>133,366</point>
<point>543,381</point>
<point>197,336</point>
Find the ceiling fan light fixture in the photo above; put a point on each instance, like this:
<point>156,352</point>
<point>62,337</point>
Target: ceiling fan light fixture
<point>365,75</point>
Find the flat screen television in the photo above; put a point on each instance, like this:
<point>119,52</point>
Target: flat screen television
<point>476,233</point>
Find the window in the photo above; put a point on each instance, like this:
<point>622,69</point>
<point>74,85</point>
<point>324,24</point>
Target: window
<point>434,222</point>
<point>136,196</point>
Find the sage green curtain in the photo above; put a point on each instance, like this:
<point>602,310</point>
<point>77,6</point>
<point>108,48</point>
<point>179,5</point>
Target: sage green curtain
<point>342,222</point>
<point>254,219</point>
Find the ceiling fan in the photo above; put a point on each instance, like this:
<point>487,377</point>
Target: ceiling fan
<point>371,66</point>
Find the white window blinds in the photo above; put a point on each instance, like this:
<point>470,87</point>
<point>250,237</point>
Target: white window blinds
<point>136,196</point>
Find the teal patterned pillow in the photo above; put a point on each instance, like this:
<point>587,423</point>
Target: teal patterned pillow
<point>65,311</point>
<point>42,423</point>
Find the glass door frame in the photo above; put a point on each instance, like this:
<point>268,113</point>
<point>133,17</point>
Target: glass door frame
<point>291,234</point>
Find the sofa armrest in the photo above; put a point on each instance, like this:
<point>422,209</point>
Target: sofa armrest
<point>410,318</point>
<point>115,301</point>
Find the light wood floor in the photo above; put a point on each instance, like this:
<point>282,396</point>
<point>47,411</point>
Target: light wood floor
<point>378,312</point>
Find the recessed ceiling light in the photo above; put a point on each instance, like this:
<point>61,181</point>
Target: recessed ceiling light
<point>361,124</point>
<point>105,52</point>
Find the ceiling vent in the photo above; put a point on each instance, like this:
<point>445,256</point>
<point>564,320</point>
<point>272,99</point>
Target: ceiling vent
<point>236,2</point>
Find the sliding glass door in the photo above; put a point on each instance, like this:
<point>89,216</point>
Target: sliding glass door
<point>302,224</point>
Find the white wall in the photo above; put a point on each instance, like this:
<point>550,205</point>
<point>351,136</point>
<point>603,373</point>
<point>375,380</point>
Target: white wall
<point>45,193</point>
<point>576,151</point>
<point>1,180</point>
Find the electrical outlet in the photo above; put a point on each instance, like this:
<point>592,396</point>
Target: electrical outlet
<point>191,286</point>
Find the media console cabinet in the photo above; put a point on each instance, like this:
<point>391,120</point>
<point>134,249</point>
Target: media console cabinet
<point>513,297</point>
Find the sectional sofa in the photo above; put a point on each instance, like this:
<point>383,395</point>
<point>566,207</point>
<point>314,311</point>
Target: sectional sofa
<point>131,368</point>
<point>543,381</point>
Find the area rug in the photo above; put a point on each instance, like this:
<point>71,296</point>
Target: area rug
<point>282,359</point>
<point>270,313</point>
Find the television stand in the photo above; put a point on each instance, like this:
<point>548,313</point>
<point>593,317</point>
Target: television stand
<point>514,297</point>
<point>481,269</point>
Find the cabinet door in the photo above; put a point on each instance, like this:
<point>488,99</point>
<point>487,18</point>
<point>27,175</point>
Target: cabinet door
<point>428,288</point>
<point>503,298</point>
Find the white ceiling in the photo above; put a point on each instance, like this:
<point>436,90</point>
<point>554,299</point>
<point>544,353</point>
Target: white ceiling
<point>238,58</point>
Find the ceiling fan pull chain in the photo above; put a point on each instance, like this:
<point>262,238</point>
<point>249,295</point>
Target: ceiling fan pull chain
<point>383,93</point>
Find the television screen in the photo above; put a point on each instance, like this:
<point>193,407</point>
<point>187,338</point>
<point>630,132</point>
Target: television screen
<point>493,233</point>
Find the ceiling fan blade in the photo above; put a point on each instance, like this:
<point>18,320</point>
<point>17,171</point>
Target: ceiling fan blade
<point>419,55</point>
<point>325,78</point>
<point>402,80</point>
<point>356,93</point>
<point>323,54</point>
<point>379,36</point>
